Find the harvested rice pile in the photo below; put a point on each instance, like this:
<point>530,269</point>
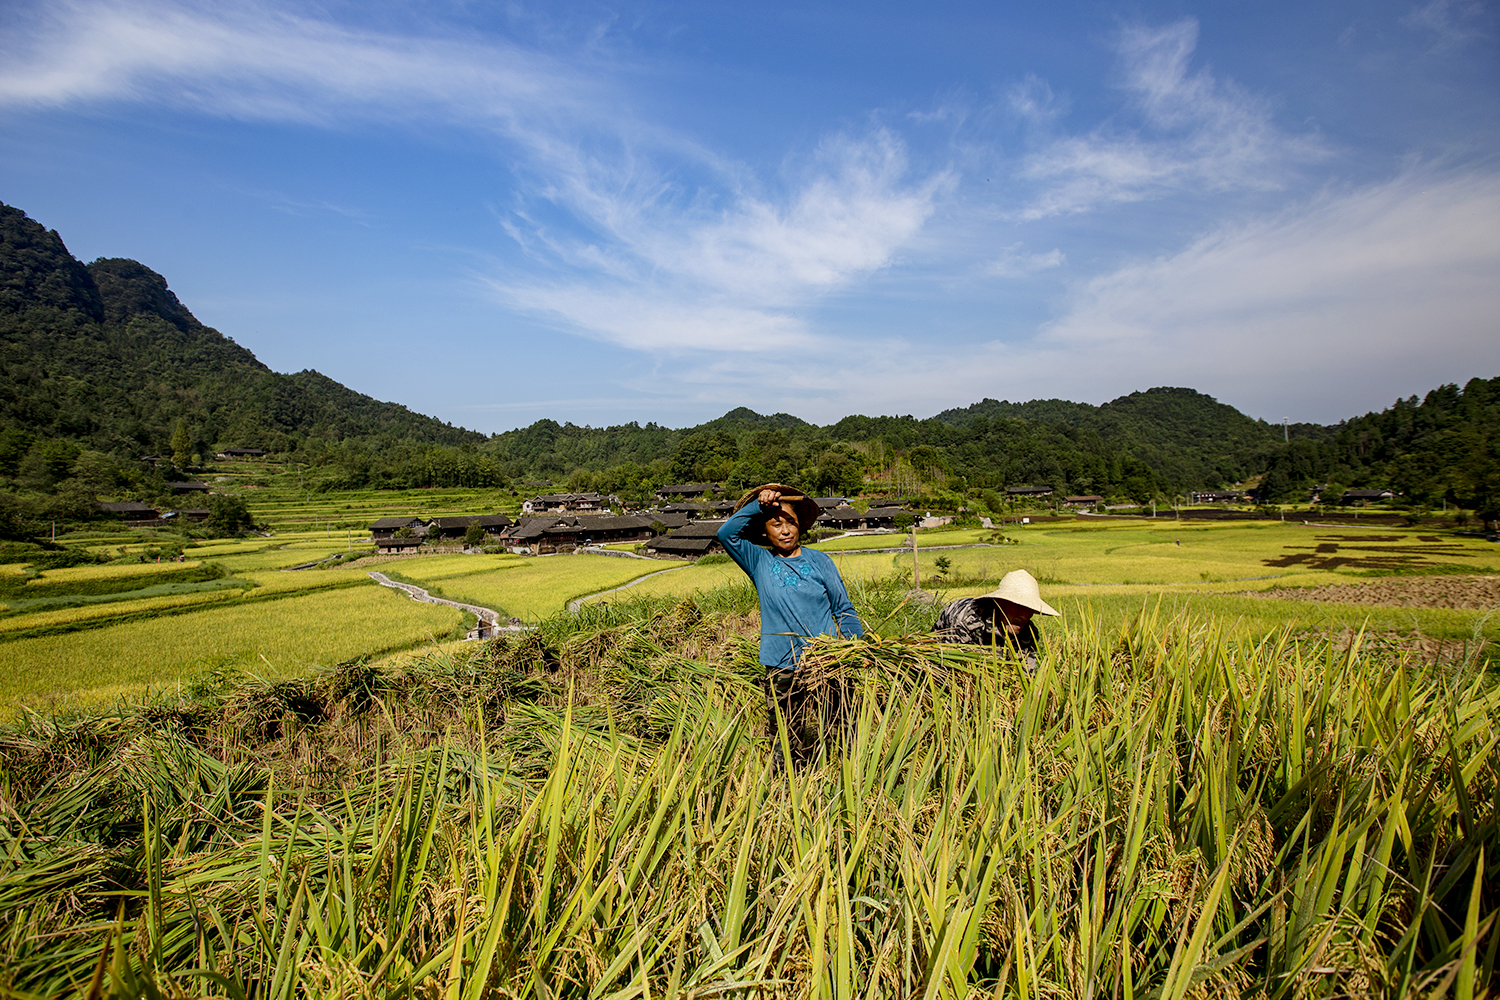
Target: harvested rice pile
<point>1473,593</point>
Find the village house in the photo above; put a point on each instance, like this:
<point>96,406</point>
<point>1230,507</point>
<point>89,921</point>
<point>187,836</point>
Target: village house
<point>1363,497</point>
<point>846,518</point>
<point>130,510</point>
<point>1079,503</point>
<point>542,535</point>
<point>387,527</point>
<point>457,527</point>
<point>686,491</point>
<point>690,541</point>
<point>584,503</point>
<point>688,510</point>
<point>228,453</point>
<point>391,546</point>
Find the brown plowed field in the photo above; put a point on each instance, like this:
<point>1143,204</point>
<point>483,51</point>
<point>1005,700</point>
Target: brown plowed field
<point>1473,593</point>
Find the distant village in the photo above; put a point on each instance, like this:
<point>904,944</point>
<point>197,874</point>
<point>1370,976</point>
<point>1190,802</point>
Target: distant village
<point>685,520</point>
<point>684,523</point>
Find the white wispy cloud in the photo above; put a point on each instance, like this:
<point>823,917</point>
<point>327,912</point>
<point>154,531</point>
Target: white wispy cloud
<point>1194,132</point>
<point>1312,313</point>
<point>665,244</point>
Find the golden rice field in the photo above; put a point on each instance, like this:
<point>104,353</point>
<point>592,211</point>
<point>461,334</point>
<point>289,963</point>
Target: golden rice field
<point>76,574</point>
<point>270,638</point>
<point>1100,565</point>
<point>526,588</point>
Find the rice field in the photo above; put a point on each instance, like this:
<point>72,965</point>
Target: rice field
<point>1162,810</point>
<point>526,588</point>
<point>78,574</point>
<point>274,638</point>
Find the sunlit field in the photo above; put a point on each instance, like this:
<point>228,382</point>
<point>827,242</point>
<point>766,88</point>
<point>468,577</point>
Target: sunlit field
<point>523,587</point>
<point>1164,809</point>
<point>271,638</point>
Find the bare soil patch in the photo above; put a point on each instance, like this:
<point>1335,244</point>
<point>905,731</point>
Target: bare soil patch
<point>1468,593</point>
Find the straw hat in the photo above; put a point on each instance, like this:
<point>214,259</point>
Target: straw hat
<point>806,508</point>
<point>1019,587</point>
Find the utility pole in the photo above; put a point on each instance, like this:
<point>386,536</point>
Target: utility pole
<point>916,576</point>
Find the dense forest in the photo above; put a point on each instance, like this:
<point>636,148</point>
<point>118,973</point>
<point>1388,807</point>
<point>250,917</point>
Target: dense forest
<point>101,365</point>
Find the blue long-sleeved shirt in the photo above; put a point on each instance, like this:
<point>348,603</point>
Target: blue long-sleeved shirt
<point>800,597</point>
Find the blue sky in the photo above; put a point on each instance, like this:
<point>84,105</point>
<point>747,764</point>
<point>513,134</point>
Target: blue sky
<point>599,213</point>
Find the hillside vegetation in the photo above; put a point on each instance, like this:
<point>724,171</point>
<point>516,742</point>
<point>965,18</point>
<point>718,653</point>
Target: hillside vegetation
<point>102,364</point>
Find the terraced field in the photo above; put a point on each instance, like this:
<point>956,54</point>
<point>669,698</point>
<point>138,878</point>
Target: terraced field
<point>232,604</point>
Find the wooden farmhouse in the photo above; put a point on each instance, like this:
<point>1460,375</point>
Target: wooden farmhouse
<point>390,546</point>
<point>686,491</point>
<point>542,535</point>
<point>846,518</point>
<point>1364,496</point>
<point>387,527</point>
<point>228,453</point>
<point>698,538</point>
<point>583,503</point>
<point>457,527</point>
<point>1078,503</point>
<point>130,510</point>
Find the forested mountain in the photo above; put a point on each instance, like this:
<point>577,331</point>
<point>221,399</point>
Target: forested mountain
<point>101,364</point>
<point>107,357</point>
<point>1442,448</point>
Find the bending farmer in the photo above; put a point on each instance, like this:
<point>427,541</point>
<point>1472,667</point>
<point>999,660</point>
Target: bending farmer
<point>1003,616</point>
<point>800,590</point>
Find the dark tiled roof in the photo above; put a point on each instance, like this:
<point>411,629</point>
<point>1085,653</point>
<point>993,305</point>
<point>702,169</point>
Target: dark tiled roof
<point>1082,499</point>
<point>667,520</point>
<point>883,512</point>
<point>697,529</point>
<point>398,543</point>
<point>394,522</point>
<point>687,546</point>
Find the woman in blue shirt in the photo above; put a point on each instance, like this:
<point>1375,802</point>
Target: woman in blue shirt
<point>800,590</point>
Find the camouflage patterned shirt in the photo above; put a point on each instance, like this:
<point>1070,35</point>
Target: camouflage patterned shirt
<point>965,621</point>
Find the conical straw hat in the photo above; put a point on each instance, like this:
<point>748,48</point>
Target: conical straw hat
<point>1020,587</point>
<point>806,508</point>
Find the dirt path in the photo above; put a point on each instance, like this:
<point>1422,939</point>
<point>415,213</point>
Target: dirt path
<point>577,602</point>
<point>416,593</point>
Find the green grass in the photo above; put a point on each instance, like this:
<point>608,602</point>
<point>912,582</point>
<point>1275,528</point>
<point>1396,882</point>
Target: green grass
<point>1162,810</point>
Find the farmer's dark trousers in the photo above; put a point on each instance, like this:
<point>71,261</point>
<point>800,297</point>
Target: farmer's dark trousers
<point>807,718</point>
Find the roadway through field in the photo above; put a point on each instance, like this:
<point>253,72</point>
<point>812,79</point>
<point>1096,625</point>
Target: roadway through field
<point>577,603</point>
<point>418,594</point>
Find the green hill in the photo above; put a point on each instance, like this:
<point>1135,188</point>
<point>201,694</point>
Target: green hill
<point>106,356</point>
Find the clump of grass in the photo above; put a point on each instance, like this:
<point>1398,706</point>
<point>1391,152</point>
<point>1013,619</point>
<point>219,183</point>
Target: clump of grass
<point>1160,810</point>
